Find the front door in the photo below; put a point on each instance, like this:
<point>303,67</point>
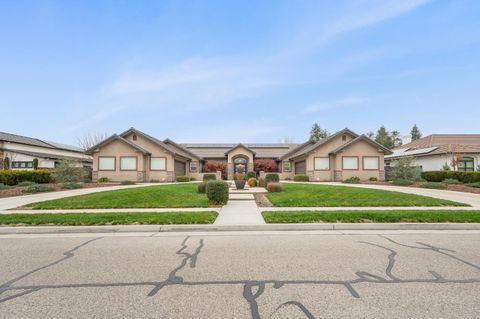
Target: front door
<point>239,162</point>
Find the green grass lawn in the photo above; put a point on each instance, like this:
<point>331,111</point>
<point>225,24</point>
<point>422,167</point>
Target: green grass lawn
<point>161,196</point>
<point>305,195</point>
<point>83,219</point>
<point>384,216</point>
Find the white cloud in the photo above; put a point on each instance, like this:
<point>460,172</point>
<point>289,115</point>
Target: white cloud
<point>334,104</point>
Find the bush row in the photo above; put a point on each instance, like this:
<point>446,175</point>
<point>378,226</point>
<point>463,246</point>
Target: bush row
<point>13,177</point>
<point>440,176</point>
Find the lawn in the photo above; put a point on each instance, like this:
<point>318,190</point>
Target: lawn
<point>161,196</point>
<point>305,195</point>
<point>384,216</point>
<point>82,219</point>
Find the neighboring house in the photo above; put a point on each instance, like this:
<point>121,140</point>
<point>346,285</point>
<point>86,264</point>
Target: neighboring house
<point>134,155</point>
<point>435,151</point>
<point>22,150</point>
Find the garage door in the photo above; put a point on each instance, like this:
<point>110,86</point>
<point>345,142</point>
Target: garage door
<point>180,168</point>
<point>301,167</point>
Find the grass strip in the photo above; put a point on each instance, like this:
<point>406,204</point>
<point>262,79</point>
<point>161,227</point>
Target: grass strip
<point>85,219</point>
<point>374,216</point>
<point>305,195</point>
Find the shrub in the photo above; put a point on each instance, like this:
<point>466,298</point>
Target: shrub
<point>402,182</point>
<point>288,178</point>
<point>183,178</point>
<point>272,178</point>
<point>477,184</point>
<point>217,192</point>
<point>261,182</point>
<point>13,177</point>
<point>3,186</point>
<point>373,179</point>
<point>252,182</point>
<point>352,180</point>
<point>214,166</point>
<point>6,163</point>
<point>26,183</point>
<point>209,177</point>
<point>127,183</point>
<point>38,189</point>
<point>70,186</point>
<point>266,165</point>
<point>301,178</point>
<point>439,176</point>
<point>202,187</point>
<point>250,175</point>
<point>103,180</point>
<point>451,181</point>
<point>35,163</point>
<point>405,170</point>
<point>434,185</point>
<point>67,172</point>
<point>274,187</point>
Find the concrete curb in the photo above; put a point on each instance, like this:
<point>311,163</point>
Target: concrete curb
<point>212,228</point>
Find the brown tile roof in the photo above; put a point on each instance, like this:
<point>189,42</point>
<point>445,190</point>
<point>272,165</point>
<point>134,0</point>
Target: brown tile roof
<point>212,150</point>
<point>446,143</point>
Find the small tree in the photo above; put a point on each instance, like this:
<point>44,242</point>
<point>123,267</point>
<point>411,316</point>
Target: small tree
<point>404,169</point>
<point>6,163</point>
<point>90,139</point>
<point>214,166</point>
<point>35,163</point>
<point>266,165</point>
<point>317,133</point>
<point>67,172</point>
<point>415,133</point>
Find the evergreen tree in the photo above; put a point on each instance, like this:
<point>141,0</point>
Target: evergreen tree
<point>396,138</point>
<point>384,138</point>
<point>317,133</point>
<point>415,133</point>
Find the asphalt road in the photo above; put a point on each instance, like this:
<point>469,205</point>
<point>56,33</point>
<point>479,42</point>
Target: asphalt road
<point>241,275</point>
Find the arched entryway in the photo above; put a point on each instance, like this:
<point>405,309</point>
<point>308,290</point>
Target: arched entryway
<point>240,161</point>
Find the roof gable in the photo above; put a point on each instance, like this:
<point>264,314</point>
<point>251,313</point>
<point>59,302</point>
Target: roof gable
<point>112,138</point>
<point>362,138</point>
<point>240,145</point>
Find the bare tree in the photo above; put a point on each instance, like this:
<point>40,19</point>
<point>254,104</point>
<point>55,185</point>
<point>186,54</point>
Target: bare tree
<point>90,139</point>
<point>287,140</point>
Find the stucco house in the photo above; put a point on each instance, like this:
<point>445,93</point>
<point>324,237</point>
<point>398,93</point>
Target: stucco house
<point>136,156</point>
<point>433,152</point>
<point>22,150</point>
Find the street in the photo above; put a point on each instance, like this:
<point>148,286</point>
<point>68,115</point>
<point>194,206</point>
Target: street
<point>310,274</point>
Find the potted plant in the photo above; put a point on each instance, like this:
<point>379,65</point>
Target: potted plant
<point>239,177</point>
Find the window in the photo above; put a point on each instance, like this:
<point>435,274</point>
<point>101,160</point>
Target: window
<point>128,163</point>
<point>193,166</point>
<point>322,163</point>
<point>18,164</point>
<point>287,166</point>
<point>371,162</point>
<point>106,163</point>
<point>158,163</point>
<point>466,164</point>
<point>350,162</point>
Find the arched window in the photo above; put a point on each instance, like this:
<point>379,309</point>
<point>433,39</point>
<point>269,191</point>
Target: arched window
<point>240,162</point>
<point>466,164</point>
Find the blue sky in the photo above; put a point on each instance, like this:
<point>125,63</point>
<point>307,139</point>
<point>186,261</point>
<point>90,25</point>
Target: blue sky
<point>238,71</point>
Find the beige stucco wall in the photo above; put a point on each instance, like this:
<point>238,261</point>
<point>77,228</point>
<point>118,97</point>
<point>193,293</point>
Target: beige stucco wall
<point>236,152</point>
<point>117,149</point>
<point>361,149</point>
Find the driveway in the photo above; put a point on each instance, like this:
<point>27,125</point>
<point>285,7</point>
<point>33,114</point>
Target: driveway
<point>241,275</point>
<point>17,201</point>
<point>467,198</point>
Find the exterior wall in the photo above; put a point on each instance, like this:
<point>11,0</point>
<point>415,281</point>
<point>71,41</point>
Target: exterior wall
<point>161,176</point>
<point>436,162</point>
<point>323,151</point>
<point>37,149</point>
<point>360,149</point>
<point>42,162</point>
<point>117,149</point>
<point>235,153</point>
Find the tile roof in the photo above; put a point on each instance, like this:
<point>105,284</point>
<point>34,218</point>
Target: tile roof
<point>218,150</point>
<point>14,138</point>
<point>443,144</point>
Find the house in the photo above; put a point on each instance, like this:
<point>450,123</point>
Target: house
<point>21,152</point>
<point>433,152</point>
<point>136,156</point>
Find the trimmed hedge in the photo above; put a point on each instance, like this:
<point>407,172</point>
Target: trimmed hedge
<point>402,182</point>
<point>272,178</point>
<point>274,187</point>
<point>183,179</point>
<point>217,192</point>
<point>202,187</point>
<point>13,177</point>
<point>440,176</point>
<point>301,178</point>
<point>103,180</point>
<point>352,180</point>
<point>250,175</point>
<point>209,177</point>
<point>252,182</point>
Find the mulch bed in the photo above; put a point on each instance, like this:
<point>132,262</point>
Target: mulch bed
<point>262,200</point>
<point>18,190</point>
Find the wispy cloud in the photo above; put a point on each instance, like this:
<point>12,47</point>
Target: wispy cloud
<point>335,104</point>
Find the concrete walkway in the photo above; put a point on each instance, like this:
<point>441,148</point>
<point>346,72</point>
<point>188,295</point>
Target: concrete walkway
<point>462,197</point>
<point>241,209</point>
<point>17,201</point>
